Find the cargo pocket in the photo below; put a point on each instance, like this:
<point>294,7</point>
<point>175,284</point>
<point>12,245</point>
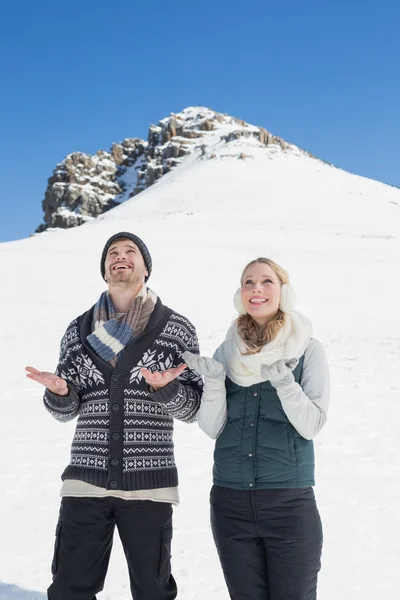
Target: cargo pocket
<point>164,566</point>
<point>54,564</point>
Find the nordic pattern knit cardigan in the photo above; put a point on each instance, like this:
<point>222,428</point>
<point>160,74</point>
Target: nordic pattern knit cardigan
<point>123,438</point>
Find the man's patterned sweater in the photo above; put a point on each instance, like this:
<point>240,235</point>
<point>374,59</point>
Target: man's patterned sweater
<point>124,434</point>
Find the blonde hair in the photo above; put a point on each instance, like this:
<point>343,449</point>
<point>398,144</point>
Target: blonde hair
<point>254,336</point>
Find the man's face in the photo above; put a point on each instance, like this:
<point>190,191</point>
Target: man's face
<point>124,264</point>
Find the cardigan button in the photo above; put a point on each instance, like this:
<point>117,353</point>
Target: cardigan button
<point>250,454</point>
<point>252,424</point>
<point>114,462</point>
<point>115,407</point>
<point>255,394</point>
<point>115,377</point>
<point>250,485</point>
<point>115,436</point>
<point>114,484</point>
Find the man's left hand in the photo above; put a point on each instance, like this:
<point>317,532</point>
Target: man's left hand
<point>159,379</point>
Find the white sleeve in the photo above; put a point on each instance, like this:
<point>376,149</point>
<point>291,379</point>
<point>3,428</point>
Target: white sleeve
<point>306,405</point>
<point>212,413</point>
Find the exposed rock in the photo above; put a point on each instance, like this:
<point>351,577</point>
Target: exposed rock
<point>82,186</point>
<point>235,135</point>
<point>208,125</point>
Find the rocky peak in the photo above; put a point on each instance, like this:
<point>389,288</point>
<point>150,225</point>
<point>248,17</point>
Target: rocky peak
<point>83,186</point>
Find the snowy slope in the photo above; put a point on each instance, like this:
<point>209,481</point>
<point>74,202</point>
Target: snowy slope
<point>339,237</point>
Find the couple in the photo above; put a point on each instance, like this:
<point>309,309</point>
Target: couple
<point>263,397</point>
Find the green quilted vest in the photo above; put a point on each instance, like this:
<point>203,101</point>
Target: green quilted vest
<point>258,447</point>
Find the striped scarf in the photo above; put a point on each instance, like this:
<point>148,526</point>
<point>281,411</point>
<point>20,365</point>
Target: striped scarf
<point>112,331</point>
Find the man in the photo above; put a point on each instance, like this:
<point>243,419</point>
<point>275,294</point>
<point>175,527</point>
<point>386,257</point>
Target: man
<point>120,371</point>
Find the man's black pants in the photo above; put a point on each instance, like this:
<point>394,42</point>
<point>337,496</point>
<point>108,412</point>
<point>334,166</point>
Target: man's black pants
<point>269,542</point>
<point>84,540</point>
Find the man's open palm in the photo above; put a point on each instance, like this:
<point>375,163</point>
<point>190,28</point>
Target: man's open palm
<point>55,384</point>
<point>160,379</point>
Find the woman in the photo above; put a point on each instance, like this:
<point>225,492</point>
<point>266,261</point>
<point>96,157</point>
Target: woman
<point>265,398</point>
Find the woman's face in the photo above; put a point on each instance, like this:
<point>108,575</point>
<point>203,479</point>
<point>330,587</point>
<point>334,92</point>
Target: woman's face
<point>261,292</point>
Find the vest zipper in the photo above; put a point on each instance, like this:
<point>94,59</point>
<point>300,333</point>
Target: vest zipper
<point>292,448</point>
<point>255,440</point>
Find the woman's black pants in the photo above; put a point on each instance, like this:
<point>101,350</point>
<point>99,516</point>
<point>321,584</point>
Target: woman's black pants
<point>269,542</point>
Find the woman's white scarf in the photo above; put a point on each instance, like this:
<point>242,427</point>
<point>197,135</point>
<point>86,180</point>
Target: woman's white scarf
<point>290,342</point>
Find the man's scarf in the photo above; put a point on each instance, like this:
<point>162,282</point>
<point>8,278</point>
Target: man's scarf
<point>113,331</point>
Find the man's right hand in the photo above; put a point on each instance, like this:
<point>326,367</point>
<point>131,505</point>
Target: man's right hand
<point>56,385</point>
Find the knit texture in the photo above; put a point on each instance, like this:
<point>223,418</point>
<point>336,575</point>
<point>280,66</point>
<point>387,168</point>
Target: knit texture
<point>290,342</point>
<point>123,438</point>
<point>111,333</point>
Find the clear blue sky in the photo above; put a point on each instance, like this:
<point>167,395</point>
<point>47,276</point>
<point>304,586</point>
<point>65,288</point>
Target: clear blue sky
<point>81,74</point>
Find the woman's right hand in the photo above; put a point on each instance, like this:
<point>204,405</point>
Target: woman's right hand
<point>56,385</point>
<point>208,367</point>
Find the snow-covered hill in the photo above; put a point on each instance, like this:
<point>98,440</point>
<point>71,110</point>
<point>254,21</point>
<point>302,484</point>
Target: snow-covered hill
<point>339,237</point>
<point>82,186</point>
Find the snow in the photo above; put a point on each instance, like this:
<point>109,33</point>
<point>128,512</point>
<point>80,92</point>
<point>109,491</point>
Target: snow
<point>63,211</point>
<point>129,179</point>
<point>338,235</point>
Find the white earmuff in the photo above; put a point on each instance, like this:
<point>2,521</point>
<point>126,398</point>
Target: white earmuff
<point>237,302</point>
<point>288,298</point>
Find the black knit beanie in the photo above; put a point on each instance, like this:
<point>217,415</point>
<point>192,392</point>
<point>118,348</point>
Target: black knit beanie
<point>125,235</point>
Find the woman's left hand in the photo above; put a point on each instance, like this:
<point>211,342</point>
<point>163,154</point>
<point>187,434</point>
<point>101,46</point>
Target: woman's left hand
<point>159,379</point>
<point>280,373</point>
